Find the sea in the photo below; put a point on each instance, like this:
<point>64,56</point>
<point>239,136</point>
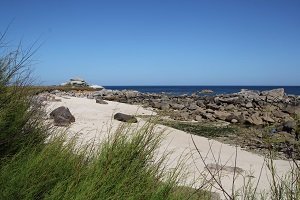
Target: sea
<point>181,90</point>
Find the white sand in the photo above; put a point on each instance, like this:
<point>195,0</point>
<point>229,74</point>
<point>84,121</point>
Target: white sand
<point>95,120</point>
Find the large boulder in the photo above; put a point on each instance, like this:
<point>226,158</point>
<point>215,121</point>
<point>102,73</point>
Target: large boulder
<point>125,118</point>
<point>275,95</point>
<point>62,116</point>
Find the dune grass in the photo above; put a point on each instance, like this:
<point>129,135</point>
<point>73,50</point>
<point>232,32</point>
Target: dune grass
<point>124,167</point>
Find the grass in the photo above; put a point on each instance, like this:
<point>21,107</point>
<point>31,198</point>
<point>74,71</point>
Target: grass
<point>123,168</point>
<point>201,129</point>
<point>67,88</point>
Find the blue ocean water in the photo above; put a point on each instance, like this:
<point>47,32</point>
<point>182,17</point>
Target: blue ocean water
<point>179,90</point>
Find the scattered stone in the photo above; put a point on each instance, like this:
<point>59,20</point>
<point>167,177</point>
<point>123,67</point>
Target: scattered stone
<point>125,118</point>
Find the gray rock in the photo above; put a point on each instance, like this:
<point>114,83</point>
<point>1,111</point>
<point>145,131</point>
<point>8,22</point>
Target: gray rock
<point>212,106</point>
<point>275,95</point>
<point>267,118</point>
<point>249,105</point>
<point>192,106</point>
<point>249,94</point>
<point>101,101</point>
<point>289,126</point>
<point>234,121</point>
<point>164,106</point>
<point>230,107</point>
<point>177,106</point>
<point>229,100</point>
<point>292,110</point>
<point>62,116</point>
<point>125,118</point>
<point>255,119</point>
<point>233,117</point>
<point>198,118</point>
<point>222,115</point>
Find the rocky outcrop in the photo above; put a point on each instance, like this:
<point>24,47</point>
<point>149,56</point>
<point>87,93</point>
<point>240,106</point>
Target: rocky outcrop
<point>62,116</point>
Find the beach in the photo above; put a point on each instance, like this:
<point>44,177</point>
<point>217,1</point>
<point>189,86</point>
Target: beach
<point>94,122</point>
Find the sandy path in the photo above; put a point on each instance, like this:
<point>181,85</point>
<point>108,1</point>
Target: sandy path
<point>96,120</point>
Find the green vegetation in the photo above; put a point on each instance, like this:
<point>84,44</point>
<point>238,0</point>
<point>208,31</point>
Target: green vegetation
<point>67,88</point>
<point>206,130</point>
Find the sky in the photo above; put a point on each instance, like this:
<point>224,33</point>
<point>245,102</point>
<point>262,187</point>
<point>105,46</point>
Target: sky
<point>159,42</point>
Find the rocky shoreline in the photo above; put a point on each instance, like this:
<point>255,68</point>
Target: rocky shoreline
<point>246,107</point>
<point>272,108</point>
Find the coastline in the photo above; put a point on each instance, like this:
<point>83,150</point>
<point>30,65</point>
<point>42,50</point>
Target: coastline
<point>95,121</point>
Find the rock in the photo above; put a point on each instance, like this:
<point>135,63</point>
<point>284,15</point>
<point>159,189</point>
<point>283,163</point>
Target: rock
<point>192,106</point>
<point>212,106</point>
<point>184,116</point>
<point>62,116</point>
<point>206,91</point>
<point>125,118</point>
<point>230,107</point>
<point>266,117</point>
<point>233,117</point>
<point>222,115</point>
<point>234,121</point>
<point>280,114</point>
<point>292,110</point>
<point>155,104</point>
<point>101,101</point>
<point>289,126</point>
<point>177,106</point>
<point>164,106</point>
<point>275,95</point>
<point>130,93</point>
<point>208,116</point>
<point>198,118</point>
<point>229,100</point>
<point>254,120</point>
<point>249,94</point>
<point>200,103</point>
<point>110,97</point>
<point>249,105</point>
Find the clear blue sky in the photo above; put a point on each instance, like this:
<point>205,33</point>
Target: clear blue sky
<point>160,42</point>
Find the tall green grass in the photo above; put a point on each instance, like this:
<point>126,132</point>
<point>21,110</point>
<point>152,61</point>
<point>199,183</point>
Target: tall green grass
<point>124,167</point>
